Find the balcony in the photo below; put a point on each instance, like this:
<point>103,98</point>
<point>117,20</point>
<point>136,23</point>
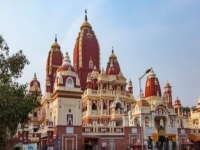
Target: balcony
<point>105,93</point>
<point>94,112</point>
<point>101,130</point>
<point>84,113</point>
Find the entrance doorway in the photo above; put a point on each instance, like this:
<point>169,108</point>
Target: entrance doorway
<point>162,142</point>
<point>91,144</point>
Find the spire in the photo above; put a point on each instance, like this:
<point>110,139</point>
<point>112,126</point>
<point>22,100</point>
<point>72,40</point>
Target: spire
<point>66,59</point>
<point>35,77</point>
<point>85,23</point>
<point>112,50</point>
<point>55,44</point>
<point>85,14</point>
<point>56,38</point>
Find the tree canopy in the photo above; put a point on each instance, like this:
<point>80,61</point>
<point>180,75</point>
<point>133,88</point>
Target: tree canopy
<point>15,103</point>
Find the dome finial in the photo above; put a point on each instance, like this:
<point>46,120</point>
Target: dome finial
<point>112,50</point>
<point>85,14</point>
<point>66,59</point>
<point>56,38</point>
<point>35,77</point>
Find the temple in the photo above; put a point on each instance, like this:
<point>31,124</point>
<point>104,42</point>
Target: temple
<point>87,107</point>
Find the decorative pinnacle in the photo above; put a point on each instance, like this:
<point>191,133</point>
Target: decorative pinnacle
<point>34,76</point>
<point>112,50</point>
<point>85,14</point>
<point>56,38</point>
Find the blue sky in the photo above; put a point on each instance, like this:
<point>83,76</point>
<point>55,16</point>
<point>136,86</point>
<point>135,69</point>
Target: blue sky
<point>163,34</point>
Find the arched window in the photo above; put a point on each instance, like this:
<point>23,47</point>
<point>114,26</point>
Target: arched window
<point>118,106</point>
<point>69,82</point>
<point>35,114</point>
<point>94,106</point>
<point>147,121</point>
<point>104,106</point>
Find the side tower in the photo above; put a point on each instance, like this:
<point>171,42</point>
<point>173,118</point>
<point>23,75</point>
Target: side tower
<point>168,94</point>
<point>86,52</point>
<point>152,85</point>
<point>65,107</point>
<point>54,60</point>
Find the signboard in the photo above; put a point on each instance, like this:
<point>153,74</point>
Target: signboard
<point>69,129</point>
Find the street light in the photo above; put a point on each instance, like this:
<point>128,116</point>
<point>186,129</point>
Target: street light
<point>147,71</point>
<point>142,136</point>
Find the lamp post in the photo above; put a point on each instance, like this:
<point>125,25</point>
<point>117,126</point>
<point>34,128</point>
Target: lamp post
<point>142,136</point>
<point>140,78</point>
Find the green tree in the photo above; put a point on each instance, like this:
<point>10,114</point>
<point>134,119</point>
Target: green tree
<point>15,103</point>
<point>186,109</point>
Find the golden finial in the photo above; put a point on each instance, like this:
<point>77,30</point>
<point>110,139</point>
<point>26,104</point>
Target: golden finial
<point>85,14</point>
<point>112,50</point>
<point>56,38</point>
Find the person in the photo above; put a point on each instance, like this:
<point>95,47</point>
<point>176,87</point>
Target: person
<point>155,147</point>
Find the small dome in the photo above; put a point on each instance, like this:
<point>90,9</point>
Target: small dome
<point>113,56</point>
<point>54,45</point>
<point>66,65</point>
<point>85,25</point>
<point>151,73</point>
<point>34,80</point>
<point>167,84</point>
<point>130,83</point>
<point>177,102</point>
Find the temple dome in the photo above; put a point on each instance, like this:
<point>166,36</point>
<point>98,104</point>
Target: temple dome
<point>167,84</point>
<point>55,44</point>
<point>66,64</point>
<point>113,66</point>
<point>35,81</point>
<point>85,25</point>
<point>177,102</point>
<point>113,56</point>
<point>34,85</point>
<point>152,85</point>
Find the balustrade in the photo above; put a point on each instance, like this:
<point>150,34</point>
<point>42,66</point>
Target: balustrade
<point>84,113</point>
<point>94,112</point>
<point>107,92</point>
<point>105,112</point>
<point>104,129</point>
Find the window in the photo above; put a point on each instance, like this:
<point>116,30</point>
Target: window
<point>35,114</point>
<point>69,82</point>
<point>94,107</point>
<point>35,129</point>
<point>104,106</point>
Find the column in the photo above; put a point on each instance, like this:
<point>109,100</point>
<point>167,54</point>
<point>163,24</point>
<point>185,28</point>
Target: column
<point>153,121</point>
<point>108,106</point>
<point>101,113</point>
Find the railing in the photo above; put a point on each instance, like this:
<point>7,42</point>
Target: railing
<point>94,112</point>
<point>84,113</point>
<point>106,92</point>
<point>104,112</point>
<point>103,129</point>
<point>116,112</point>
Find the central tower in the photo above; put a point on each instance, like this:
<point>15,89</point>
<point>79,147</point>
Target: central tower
<point>86,52</point>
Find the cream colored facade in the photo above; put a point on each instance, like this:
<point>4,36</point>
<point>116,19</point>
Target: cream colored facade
<point>194,118</point>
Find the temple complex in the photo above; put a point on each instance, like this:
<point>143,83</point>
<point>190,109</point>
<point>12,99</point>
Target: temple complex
<point>87,107</point>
